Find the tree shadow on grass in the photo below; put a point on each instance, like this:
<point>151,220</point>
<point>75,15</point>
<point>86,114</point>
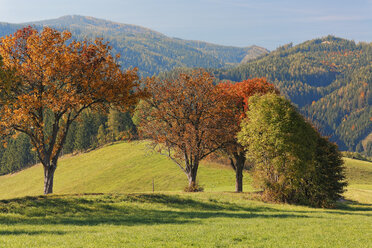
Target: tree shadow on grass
<point>346,207</point>
<point>125,210</point>
<point>30,232</point>
<point>175,201</point>
<point>353,208</point>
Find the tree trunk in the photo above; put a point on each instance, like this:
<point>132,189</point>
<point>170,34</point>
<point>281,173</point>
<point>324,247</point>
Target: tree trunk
<point>239,166</point>
<point>48,179</point>
<point>239,179</point>
<point>192,175</point>
<point>192,178</point>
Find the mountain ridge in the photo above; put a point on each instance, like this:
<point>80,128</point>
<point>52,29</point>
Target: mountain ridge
<point>151,51</point>
<point>89,21</point>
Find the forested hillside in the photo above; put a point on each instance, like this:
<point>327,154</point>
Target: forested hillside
<point>329,79</point>
<point>150,51</point>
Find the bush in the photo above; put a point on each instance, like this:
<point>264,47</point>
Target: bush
<point>324,182</point>
<point>293,163</point>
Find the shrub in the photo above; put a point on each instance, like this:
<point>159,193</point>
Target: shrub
<point>293,163</point>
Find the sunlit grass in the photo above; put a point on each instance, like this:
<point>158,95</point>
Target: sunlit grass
<point>171,218</point>
<point>177,220</point>
<point>359,177</point>
<point>122,167</point>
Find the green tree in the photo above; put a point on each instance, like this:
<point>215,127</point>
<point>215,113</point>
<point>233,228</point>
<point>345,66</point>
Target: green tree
<point>70,139</point>
<point>101,135</point>
<point>18,154</point>
<point>120,125</point>
<point>83,133</point>
<point>324,182</point>
<point>289,165</point>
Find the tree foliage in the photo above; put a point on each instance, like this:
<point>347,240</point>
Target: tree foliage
<point>293,163</point>
<point>182,117</point>
<point>238,95</point>
<point>55,79</point>
<point>120,126</point>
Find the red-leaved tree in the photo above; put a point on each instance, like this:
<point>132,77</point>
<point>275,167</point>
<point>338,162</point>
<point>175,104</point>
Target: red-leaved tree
<point>181,116</point>
<point>238,95</point>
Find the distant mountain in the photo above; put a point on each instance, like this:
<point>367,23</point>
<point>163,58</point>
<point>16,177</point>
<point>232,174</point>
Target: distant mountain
<point>150,51</point>
<point>329,79</point>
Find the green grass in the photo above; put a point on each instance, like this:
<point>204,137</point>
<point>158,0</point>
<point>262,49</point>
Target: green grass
<point>118,168</point>
<point>171,218</point>
<point>178,220</point>
<point>359,177</point>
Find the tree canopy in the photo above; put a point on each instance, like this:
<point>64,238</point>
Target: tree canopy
<point>239,94</point>
<point>293,163</point>
<point>181,115</point>
<point>53,80</point>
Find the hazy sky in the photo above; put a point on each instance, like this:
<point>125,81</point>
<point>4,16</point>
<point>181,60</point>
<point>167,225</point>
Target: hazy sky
<point>267,23</point>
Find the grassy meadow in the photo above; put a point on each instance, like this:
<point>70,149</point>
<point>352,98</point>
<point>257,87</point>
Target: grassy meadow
<point>103,199</point>
<point>118,168</point>
<point>359,176</point>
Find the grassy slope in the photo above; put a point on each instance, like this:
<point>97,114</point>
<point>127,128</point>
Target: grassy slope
<point>123,167</point>
<point>131,167</point>
<point>359,175</point>
<point>172,219</point>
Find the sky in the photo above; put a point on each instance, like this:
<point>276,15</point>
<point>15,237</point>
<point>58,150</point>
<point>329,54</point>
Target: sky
<point>266,23</point>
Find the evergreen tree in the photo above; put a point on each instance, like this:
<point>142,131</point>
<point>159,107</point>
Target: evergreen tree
<point>83,139</point>
<point>101,135</point>
<point>120,125</point>
<point>70,139</point>
<point>17,155</point>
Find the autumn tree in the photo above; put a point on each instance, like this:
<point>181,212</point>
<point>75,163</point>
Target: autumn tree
<point>57,78</point>
<point>180,116</point>
<point>239,94</point>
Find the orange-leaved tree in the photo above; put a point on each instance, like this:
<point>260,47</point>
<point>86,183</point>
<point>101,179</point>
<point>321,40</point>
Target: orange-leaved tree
<point>239,94</point>
<point>56,78</point>
<point>181,117</point>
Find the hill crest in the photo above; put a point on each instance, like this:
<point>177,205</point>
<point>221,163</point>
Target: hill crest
<point>149,50</point>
